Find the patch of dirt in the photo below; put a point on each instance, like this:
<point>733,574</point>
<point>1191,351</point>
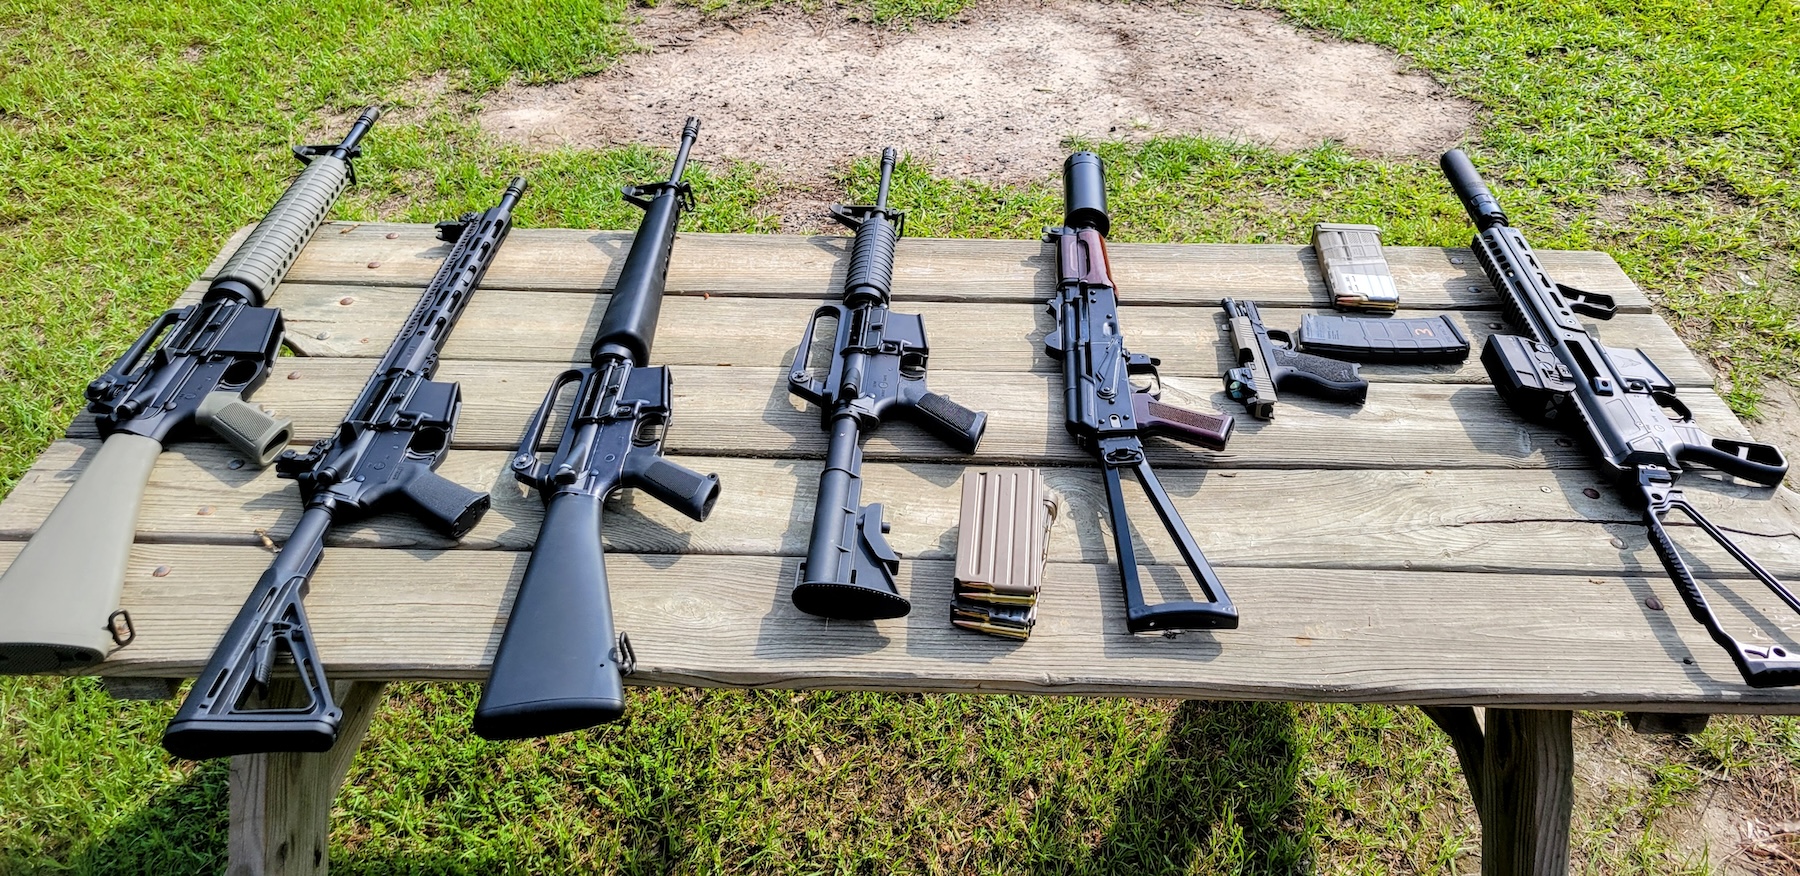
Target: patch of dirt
<point>992,96</point>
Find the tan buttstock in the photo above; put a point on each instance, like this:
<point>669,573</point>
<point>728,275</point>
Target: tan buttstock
<point>60,593</point>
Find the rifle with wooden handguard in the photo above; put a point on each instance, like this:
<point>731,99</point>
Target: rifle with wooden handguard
<point>190,370</point>
<point>383,457</point>
<point>561,665</point>
<point>1620,404</point>
<point>1108,414</point>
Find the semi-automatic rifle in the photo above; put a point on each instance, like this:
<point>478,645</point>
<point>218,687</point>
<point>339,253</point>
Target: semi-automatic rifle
<point>191,369</point>
<point>383,457</point>
<point>560,665</point>
<point>1620,404</point>
<point>1108,414</point>
<point>877,371</point>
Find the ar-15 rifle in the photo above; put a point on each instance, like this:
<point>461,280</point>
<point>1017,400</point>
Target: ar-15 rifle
<point>382,457</point>
<point>1107,414</point>
<point>560,665</point>
<point>62,592</point>
<point>1560,375</point>
<point>877,371</point>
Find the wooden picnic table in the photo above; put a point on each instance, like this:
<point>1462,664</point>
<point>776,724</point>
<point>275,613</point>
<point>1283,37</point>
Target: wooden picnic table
<point>1428,548</point>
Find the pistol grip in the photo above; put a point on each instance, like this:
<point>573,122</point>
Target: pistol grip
<point>675,485</point>
<point>1319,377</point>
<point>244,426</point>
<point>1210,431</point>
<point>1753,461</point>
<point>445,505</point>
<point>952,423</point>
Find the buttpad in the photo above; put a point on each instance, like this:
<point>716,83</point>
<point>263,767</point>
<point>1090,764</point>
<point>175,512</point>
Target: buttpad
<point>870,592</point>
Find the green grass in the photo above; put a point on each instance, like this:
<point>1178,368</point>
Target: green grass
<point>135,138</point>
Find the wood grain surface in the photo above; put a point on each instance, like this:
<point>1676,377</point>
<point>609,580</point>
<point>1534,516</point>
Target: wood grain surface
<point>1427,547</point>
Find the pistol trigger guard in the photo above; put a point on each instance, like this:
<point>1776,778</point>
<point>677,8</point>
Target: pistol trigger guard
<point>1674,403</point>
<point>1281,339</point>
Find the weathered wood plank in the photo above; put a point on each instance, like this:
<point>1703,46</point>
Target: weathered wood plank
<point>754,265</point>
<point>1452,520</point>
<point>1348,636</point>
<point>281,803</point>
<point>748,412</point>
<point>510,325</point>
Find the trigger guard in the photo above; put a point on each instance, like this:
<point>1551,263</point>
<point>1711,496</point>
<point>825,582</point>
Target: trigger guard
<point>1673,402</point>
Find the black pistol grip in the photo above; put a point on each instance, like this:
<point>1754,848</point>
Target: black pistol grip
<point>1751,460</point>
<point>1319,377</point>
<point>444,505</point>
<point>1210,431</point>
<point>558,665</point>
<point>674,484</point>
<point>954,424</point>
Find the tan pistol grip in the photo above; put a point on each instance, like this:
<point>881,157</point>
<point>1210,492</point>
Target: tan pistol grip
<point>244,426</point>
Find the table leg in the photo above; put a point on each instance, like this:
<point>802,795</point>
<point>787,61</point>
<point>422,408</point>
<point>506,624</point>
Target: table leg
<point>1520,764</point>
<point>281,803</point>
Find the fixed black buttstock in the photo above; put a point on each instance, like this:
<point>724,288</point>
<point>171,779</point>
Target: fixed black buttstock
<point>560,663</point>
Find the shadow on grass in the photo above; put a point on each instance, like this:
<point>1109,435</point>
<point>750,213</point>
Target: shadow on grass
<point>1220,795</point>
<point>181,829</point>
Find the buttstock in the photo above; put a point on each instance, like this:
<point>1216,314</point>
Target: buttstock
<point>558,667</point>
<point>63,588</point>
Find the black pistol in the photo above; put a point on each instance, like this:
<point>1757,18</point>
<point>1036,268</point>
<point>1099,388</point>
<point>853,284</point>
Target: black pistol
<point>1268,362</point>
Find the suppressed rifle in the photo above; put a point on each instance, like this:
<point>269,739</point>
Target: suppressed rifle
<point>560,665</point>
<point>1108,415</point>
<point>877,371</point>
<point>382,457</point>
<point>1620,404</point>
<point>191,368</point>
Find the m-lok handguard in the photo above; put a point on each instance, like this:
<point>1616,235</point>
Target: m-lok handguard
<point>1268,362</point>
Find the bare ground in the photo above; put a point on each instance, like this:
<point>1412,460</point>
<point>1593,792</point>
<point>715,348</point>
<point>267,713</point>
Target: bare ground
<point>992,96</point>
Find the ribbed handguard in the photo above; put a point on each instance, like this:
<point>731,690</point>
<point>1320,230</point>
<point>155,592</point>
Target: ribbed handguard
<point>872,258</point>
<point>265,256</point>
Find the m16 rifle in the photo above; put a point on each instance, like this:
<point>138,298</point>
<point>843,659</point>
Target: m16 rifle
<point>190,369</point>
<point>1560,375</point>
<point>560,665</point>
<point>1108,415</point>
<point>877,371</point>
<point>383,457</point>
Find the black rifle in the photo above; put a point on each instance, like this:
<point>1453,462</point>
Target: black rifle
<point>877,371</point>
<point>1560,375</point>
<point>189,370</point>
<point>560,665</point>
<point>1108,415</point>
<point>382,457</point>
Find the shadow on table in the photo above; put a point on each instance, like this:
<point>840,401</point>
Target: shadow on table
<point>180,829</point>
<point>1221,793</point>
